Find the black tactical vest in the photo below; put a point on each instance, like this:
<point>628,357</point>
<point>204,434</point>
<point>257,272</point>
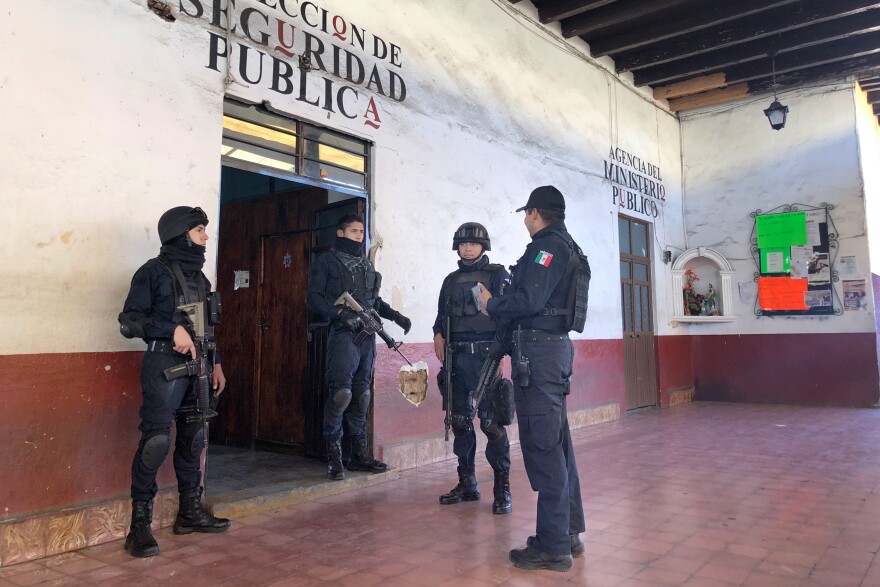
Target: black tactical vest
<point>459,300</point>
<point>363,283</point>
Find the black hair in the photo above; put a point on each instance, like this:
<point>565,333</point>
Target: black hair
<point>549,216</point>
<point>348,220</point>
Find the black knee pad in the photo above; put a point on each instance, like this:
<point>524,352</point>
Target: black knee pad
<point>461,425</point>
<point>192,435</point>
<point>364,401</point>
<point>340,399</point>
<point>491,429</point>
<point>154,449</point>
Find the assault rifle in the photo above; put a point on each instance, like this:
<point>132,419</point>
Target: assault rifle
<point>489,373</point>
<point>370,324</point>
<point>200,367</point>
<point>447,373</point>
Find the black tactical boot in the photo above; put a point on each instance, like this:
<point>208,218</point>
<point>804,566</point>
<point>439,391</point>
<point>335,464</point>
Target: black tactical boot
<point>577,546</point>
<point>191,517</point>
<point>361,460</point>
<point>502,504</point>
<point>466,490</point>
<point>335,470</point>
<point>531,559</point>
<point>140,541</point>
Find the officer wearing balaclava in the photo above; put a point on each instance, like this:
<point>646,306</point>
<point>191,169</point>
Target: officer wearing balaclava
<point>150,312</point>
<point>350,354</point>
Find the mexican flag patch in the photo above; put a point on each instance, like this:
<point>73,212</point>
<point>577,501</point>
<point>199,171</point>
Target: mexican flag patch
<point>544,258</point>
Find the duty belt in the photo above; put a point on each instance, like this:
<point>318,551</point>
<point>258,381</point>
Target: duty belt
<point>540,335</point>
<point>160,346</point>
<point>471,348</point>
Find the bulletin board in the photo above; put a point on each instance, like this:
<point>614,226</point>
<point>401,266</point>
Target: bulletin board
<point>794,247</point>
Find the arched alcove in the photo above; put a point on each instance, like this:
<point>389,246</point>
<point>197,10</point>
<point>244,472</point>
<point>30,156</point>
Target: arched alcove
<point>711,268</point>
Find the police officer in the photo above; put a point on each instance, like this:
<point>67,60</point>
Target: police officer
<point>345,268</point>
<point>537,303</point>
<point>150,312</point>
<point>471,334</point>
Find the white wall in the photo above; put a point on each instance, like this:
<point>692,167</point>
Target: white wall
<point>734,163</point>
<point>105,126</point>
<point>125,123</point>
<point>869,151</point>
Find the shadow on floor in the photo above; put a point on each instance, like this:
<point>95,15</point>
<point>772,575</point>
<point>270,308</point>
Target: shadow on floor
<point>242,482</point>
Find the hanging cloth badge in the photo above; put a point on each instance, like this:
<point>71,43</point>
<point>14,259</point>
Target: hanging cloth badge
<point>544,258</point>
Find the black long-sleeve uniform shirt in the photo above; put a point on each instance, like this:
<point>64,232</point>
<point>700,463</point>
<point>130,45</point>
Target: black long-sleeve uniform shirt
<point>539,281</point>
<point>325,284</point>
<point>151,302</point>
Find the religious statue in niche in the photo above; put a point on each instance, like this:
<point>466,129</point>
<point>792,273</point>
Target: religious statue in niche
<point>693,302</point>
<point>711,302</point>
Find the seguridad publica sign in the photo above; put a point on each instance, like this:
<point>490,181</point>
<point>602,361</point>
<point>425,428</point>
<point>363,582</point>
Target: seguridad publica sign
<point>303,32</point>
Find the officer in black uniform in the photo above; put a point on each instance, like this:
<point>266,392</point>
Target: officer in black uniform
<point>150,312</point>
<point>471,335</point>
<point>542,366</point>
<point>345,268</point>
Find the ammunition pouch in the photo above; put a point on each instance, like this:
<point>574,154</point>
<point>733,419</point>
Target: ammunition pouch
<point>503,404</point>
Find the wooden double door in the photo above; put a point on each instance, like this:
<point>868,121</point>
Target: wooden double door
<point>272,349</point>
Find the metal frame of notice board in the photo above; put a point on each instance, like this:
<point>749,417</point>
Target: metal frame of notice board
<point>793,270</point>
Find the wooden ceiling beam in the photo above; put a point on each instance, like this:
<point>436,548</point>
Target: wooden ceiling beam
<point>709,98</point>
<point>786,18</point>
<point>850,48</point>
<point>874,97</point>
<point>713,14</point>
<point>614,14</point>
<point>825,32</point>
<point>876,109</point>
<point>556,11</point>
<point>830,72</point>
<point>691,86</point>
<point>870,86</point>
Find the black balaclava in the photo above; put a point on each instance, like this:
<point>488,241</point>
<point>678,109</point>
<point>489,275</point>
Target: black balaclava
<point>349,247</point>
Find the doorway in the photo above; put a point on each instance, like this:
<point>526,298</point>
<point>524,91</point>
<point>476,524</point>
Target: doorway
<point>637,315</point>
<point>284,186</point>
<point>272,348</point>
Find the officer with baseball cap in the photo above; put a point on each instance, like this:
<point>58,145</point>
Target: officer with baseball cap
<point>537,304</point>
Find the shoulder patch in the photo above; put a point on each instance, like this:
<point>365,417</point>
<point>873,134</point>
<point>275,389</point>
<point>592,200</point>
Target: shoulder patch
<point>544,258</point>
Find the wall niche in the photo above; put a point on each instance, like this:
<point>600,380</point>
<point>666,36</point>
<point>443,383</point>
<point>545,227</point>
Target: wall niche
<point>702,287</point>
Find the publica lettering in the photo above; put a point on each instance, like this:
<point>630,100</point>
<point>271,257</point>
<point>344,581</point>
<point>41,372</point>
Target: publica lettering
<point>332,96</point>
<point>346,69</point>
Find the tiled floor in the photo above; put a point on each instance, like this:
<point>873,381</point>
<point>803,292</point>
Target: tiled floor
<point>701,494</point>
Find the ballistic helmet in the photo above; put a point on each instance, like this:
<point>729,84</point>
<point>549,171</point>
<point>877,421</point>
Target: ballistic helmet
<point>180,220</point>
<point>472,232</point>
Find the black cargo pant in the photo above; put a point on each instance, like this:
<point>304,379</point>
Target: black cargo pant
<point>467,362</point>
<point>161,400</point>
<point>545,441</point>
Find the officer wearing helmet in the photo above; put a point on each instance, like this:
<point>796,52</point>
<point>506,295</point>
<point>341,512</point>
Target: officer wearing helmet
<point>470,334</point>
<point>150,312</point>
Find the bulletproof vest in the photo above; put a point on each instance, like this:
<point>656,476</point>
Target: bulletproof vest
<point>459,300</point>
<point>362,283</point>
<point>578,276</point>
<point>188,289</point>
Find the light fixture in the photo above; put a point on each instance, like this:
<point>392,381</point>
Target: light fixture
<point>776,112</point>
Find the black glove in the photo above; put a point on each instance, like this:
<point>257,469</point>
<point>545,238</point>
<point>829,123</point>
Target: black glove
<point>350,320</point>
<point>403,322</point>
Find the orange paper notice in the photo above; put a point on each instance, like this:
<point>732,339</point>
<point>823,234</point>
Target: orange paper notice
<point>781,293</point>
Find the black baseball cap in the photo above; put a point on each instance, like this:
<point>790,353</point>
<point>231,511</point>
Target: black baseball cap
<point>545,197</point>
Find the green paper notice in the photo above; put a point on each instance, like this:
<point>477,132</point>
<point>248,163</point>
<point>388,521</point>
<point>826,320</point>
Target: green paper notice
<point>776,260</point>
<point>781,230</point>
